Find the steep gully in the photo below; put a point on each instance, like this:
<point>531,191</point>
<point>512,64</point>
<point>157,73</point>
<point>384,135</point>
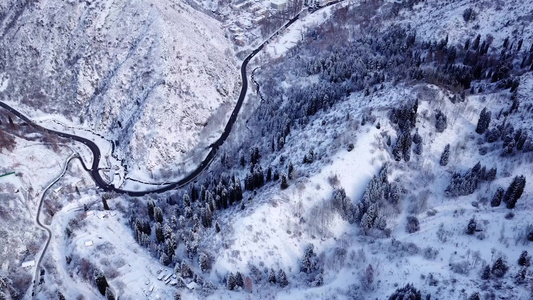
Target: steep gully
<point>94,169</point>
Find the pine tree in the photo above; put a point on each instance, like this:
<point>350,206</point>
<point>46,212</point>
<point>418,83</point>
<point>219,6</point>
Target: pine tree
<point>368,278</point>
<point>485,272</point>
<point>291,170</point>
<point>101,282</point>
<point>417,140</point>
<point>514,191</point>
<point>408,292</point>
<point>413,224</point>
<point>151,206</point>
<point>158,214</point>
<point>499,268</point>
<point>497,198</point>
<point>186,271</point>
<point>186,200</point>
<point>524,259</point>
<point>474,296</point>
<point>109,294</point>
<point>230,282</point>
<point>207,216</point>
<point>471,228</point>
<point>484,121</point>
<point>309,261</point>
<point>104,202</point>
<point>440,121</point>
<point>418,149</point>
<point>282,278</point>
<point>159,233</point>
<point>164,259</point>
<point>177,295</point>
<point>284,182</point>
<point>239,281</point>
<point>272,276</point>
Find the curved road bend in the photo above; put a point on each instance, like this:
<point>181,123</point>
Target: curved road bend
<point>38,221</point>
<point>94,170</point>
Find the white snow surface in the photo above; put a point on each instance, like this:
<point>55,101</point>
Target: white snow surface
<point>151,75</point>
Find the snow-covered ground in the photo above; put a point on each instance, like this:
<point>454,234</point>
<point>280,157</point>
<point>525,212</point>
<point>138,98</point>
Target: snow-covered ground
<point>275,226</point>
<point>155,77</point>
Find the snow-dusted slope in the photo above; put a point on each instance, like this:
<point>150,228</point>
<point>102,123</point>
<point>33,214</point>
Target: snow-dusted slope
<point>150,75</point>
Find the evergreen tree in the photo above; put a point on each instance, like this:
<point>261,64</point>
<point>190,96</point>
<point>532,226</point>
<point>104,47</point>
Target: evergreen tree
<point>497,198</point>
<point>282,278</point>
<point>284,182</point>
<point>499,268</point>
<point>269,174</point>
<point>230,283</point>
<point>146,227</point>
<point>418,149</point>
<point>186,200</point>
<point>203,192</point>
<point>151,206</point>
<point>524,259</point>
<point>471,228</point>
<point>412,224</point>
<point>207,216</point>
<point>514,191</point>
<point>186,271</point>
<point>417,140</point>
<point>406,151</point>
<point>164,259</point>
<point>440,121</point>
<point>484,121</point>
<point>408,292</point>
<point>101,282</point>
<point>158,215</point>
<point>272,276</point>
<point>309,261</point>
<point>474,296</point>
<point>109,294</point>
<point>239,281</point>
<point>291,170</point>
<point>485,272</point>
<point>159,233</point>
<point>445,157</point>
<point>104,202</point>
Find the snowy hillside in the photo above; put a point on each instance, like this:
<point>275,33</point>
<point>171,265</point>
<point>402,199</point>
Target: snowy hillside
<point>152,76</point>
<point>384,151</point>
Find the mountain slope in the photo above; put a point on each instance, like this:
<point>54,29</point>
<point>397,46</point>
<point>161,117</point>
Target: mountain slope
<point>150,75</point>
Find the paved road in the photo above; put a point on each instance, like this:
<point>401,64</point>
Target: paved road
<point>94,170</point>
<point>45,228</point>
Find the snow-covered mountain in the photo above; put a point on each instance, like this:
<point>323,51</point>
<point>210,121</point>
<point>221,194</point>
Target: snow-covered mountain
<point>384,152</point>
<point>148,75</point>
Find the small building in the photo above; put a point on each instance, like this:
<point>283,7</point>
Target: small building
<point>28,264</point>
<point>192,285</point>
<point>160,277</point>
<point>278,4</point>
<point>88,243</point>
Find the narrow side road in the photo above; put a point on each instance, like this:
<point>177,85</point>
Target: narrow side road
<point>42,226</point>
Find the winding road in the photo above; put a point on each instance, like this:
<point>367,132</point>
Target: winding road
<point>94,169</point>
<point>38,221</point>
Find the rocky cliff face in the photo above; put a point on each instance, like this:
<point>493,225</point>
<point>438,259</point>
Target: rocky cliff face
<point>148,74</point>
